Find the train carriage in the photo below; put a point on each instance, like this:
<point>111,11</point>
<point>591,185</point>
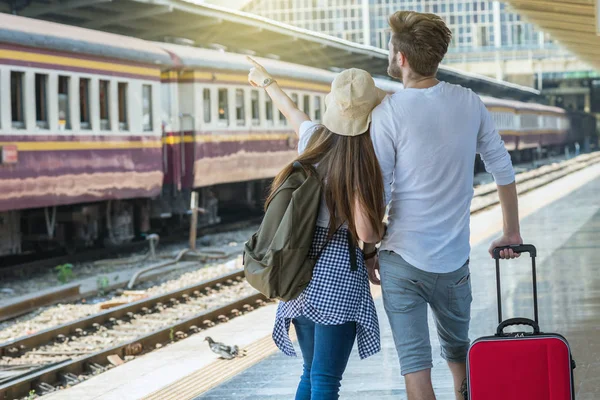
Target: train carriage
<point>79,124</point>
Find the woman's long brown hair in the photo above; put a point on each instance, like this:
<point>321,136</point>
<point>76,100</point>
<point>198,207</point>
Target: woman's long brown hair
<point>349,170</point>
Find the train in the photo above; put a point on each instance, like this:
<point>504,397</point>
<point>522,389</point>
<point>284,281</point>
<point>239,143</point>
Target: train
<point>104,138</point>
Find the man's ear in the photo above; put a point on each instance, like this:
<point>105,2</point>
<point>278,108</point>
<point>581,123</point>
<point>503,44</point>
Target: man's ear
<point>402,60</point>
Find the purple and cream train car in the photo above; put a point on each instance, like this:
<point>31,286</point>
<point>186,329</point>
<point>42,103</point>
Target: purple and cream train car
<point>102,136</point>
<point>526,126</point>
<point>80,133</point>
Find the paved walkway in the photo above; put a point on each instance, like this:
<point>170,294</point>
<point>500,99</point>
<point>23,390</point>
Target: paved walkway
<point>567,235</point>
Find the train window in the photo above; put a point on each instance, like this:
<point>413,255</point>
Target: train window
<point>282,119</point>
<point>254,106</point>
<point>223,106</point>
<point>147,107</point>
<point>84,103</point>
<point>122,94</point>
<point>104,107</point>
<point>269,111</point>
<point>41,101</point>
<point>16,99</point>
<point>306,104</point>
<point>64,114</point>
<point>206,104</point>
<point>240,114</point>
<point>318,108</point>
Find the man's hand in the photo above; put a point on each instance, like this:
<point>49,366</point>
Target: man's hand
<point>506,240</point>
<point>372,265</point>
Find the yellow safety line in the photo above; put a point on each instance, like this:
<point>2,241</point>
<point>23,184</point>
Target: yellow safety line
<point>215,373</point>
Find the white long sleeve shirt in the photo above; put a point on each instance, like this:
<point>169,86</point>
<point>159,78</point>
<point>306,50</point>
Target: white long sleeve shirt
<point>426,141</point>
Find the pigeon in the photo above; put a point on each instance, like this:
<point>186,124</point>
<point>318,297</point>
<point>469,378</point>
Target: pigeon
<point>226,352</point>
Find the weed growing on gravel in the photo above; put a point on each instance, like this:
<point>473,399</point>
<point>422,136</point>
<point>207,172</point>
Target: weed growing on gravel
<point>32,395</point>
<point>102,284</point>
<point>172,334</point>
<point>64,272</point>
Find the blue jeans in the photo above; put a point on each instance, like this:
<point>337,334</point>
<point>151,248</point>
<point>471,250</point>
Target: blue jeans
<point>325,350</point>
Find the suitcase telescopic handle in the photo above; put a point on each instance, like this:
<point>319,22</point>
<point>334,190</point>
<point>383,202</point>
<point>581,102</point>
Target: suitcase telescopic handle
<point>518,321</point>
<point>517,248</point>
<point>522,248</point>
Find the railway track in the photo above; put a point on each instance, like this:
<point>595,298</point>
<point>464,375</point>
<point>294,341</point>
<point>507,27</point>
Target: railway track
<point>71,292</point>
<point>68,354</point>
<point>485,196</point>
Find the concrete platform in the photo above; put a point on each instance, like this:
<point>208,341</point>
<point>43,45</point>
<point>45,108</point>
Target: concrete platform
<point>562,219</point>
<point>567,234</point>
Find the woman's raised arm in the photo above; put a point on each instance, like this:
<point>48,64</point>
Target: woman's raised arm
<point>259,77</point>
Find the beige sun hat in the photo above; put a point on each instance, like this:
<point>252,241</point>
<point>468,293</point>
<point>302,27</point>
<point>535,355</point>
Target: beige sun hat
<point>351,101</point>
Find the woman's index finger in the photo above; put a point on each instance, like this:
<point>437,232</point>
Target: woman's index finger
<point>256,64</point>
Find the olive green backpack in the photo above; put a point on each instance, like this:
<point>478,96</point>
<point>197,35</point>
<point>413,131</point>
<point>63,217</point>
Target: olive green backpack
<point>276,261</point>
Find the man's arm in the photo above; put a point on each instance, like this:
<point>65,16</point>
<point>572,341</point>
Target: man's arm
<point>382,134</point>
<point>510,217</point>
<point>497,162</point>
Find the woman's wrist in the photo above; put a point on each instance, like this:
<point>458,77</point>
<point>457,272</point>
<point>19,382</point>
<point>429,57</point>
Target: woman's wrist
<point>367,256</point>
<point>268,81</point>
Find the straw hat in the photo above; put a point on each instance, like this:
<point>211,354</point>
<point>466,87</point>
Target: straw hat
<point>351,101</point>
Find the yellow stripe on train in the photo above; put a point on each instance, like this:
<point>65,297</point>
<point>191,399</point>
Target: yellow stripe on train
<point>146,144</point>
<point>78,63</point>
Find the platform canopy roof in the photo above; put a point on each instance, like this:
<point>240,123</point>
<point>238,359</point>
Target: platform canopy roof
<point>575,24</point>
<point>199,24</point>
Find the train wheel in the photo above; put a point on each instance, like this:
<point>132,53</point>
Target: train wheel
<point>119,222</point>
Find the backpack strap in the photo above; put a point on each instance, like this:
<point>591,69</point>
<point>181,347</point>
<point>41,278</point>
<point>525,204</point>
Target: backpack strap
<point>327,242</point>
<point>351,248</point>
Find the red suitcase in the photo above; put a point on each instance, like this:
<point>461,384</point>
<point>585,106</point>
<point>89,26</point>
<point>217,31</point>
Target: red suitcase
<point>522,365</point>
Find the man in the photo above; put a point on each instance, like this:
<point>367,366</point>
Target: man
<point>426,137</point>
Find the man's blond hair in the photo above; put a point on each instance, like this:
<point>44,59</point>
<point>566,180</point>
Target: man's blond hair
<point>422,38</point>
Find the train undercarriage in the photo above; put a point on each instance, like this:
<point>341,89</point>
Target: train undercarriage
<point>111,223</point>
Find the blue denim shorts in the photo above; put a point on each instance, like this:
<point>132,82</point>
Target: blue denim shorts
<point>406,293</point>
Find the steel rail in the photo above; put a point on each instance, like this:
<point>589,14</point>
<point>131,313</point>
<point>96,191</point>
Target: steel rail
<point>25,343</point>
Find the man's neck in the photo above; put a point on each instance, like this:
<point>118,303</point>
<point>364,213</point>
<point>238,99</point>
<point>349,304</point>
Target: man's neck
<point>422,82</point>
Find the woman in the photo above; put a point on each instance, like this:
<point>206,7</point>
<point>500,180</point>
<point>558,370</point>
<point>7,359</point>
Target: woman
<point>337,306</point>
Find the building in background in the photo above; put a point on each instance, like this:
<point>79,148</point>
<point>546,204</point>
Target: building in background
<point>475,24</point>
<point>487,38</point>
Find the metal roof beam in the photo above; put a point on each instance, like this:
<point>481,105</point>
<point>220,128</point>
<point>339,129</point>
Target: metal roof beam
<point>582,38</point>
<point>535,15</point>
<point>179,29</point>
<point>37,10</point>
<point>251,30</point>
<point>567,90</point>
<point>558,6</point>
<point>273,44</point>
<point>82,14</point>
<point>305,47</point>
<point>151,12</point>
<point>341,57</point>
<point>549,25</point>
<point>582,48</point>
